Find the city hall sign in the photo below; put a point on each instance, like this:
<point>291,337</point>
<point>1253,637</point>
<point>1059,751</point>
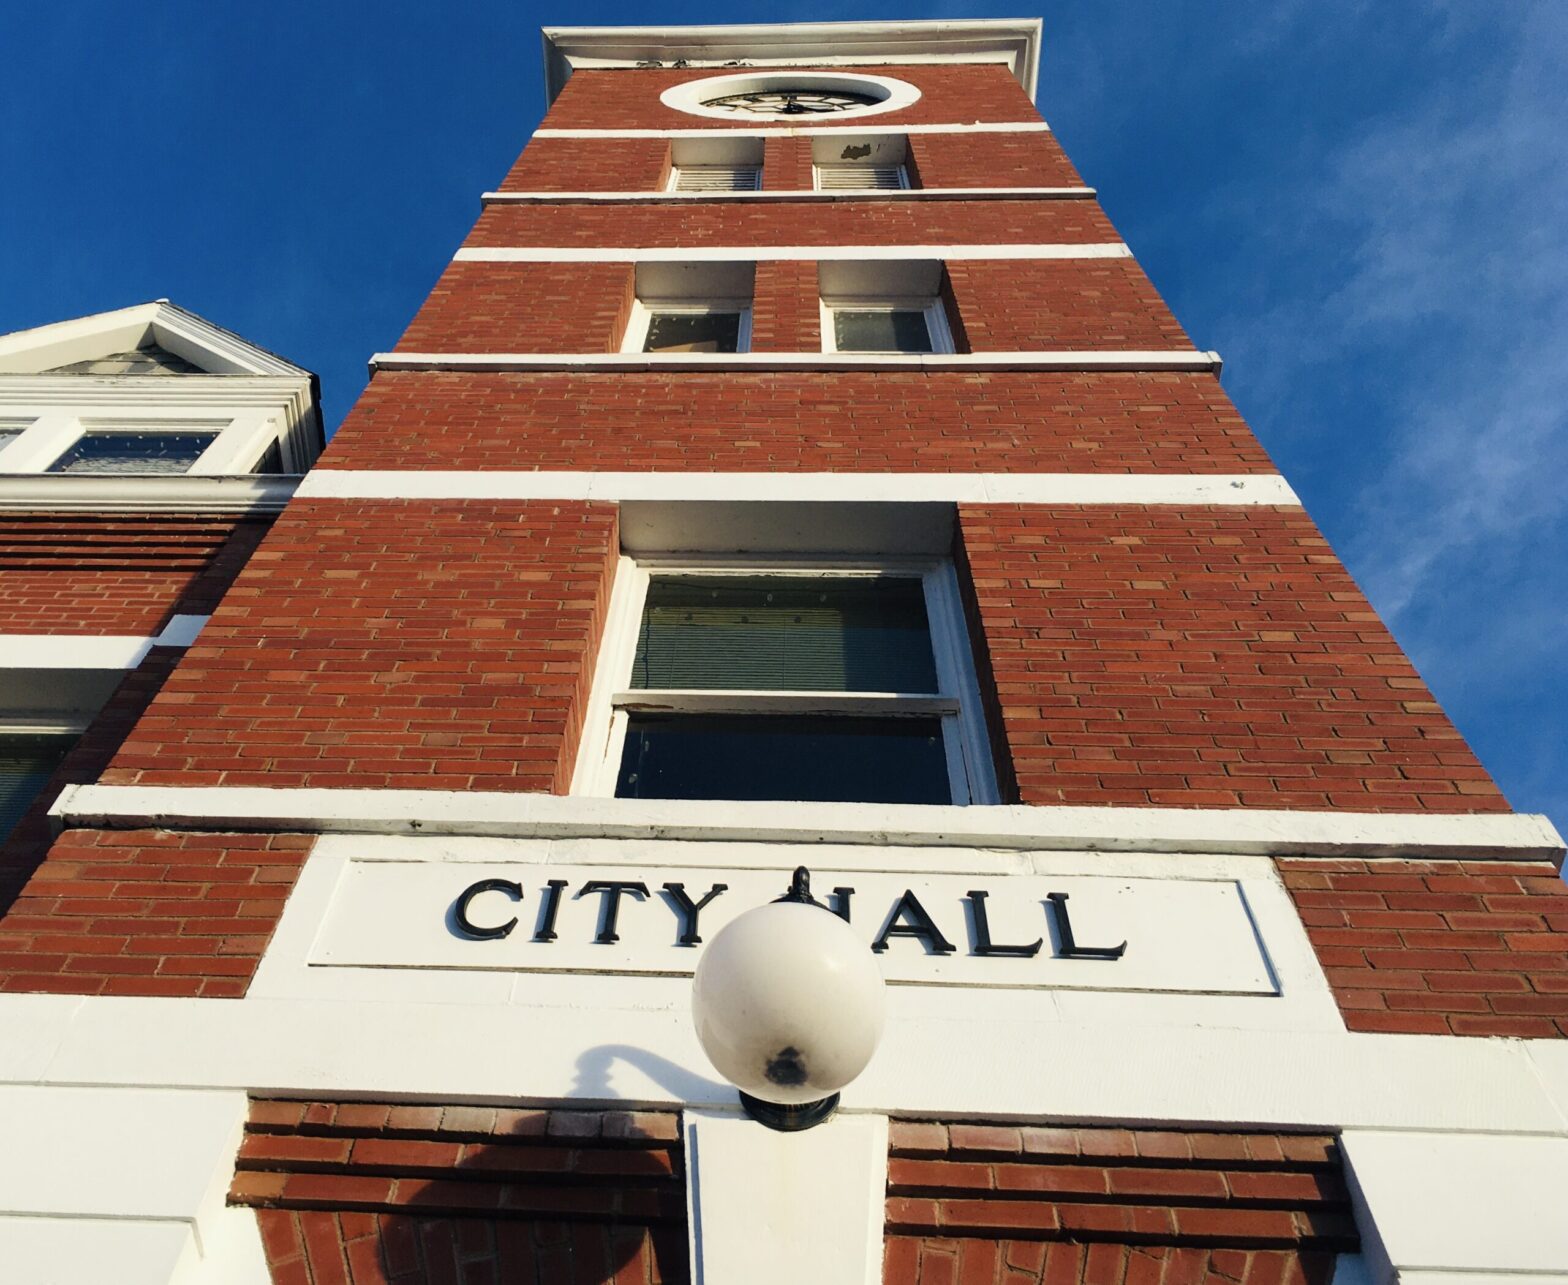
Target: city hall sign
<point>1014,930</point>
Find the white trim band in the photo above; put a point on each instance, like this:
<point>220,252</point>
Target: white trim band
<point>801,131</point>
<point>251,493</point>
<point>1228,831</point>
<point>762,253</point>
<point>94,651</point>
<point>776,195</point>
<point>794,488</point>
<point>1178,359</point>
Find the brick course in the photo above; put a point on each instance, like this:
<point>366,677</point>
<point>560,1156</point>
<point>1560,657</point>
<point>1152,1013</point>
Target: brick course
<point>1204,657</point>
<point>890,221</point>
<point>1008,1205</point>
<point>148,912</point>
<point>629,99</point>
<point>1439,947</point>
<point>381,1192</point>
<point>123,574</point>
<point>386,644</point>
<point>934,160</point>
<point>1002,305</point>
<point>882,421</point>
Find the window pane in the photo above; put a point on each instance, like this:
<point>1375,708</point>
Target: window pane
<point>693,332</point>
<point>784,757</point>
<point>789,633</point>
<point>8,435</point>
<point>271,460</point>
<point>133,453</point>
<point>903,331</point>
<point>26,764</point>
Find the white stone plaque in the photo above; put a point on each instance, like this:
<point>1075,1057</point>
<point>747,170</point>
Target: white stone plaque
<point>1192,936</point>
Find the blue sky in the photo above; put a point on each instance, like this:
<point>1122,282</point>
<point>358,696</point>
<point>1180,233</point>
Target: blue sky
<point>1363,204</point>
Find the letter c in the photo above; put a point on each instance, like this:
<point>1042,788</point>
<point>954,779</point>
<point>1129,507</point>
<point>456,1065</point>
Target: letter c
<point>467,926</point>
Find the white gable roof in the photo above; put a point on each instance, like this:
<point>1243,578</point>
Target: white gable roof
<point>210,348</point>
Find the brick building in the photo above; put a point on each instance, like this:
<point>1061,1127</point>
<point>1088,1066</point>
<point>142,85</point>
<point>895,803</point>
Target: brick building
<point>792,466</point>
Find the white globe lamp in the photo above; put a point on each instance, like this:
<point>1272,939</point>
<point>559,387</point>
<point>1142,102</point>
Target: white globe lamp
<point>789,1005</point>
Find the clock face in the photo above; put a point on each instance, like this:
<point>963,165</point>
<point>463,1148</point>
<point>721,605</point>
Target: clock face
<point>790,102</point>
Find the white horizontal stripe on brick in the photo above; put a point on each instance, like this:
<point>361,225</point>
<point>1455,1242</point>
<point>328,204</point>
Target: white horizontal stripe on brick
<point>805,194</point>
<point>757,253</point>
<point>1218,831</point>
<point>794,488</point>
<point>804,131</point>
<point>93,651</point>
<point>1077,360</point>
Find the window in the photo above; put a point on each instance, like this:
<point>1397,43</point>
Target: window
<point>883,307</point>
<point>715,178</point>
<point>838,682</point>
<point>860,162</point>
<point>27,761</point>
<point>110,451</point>
<point>731,164</point>
<point>691,308</point>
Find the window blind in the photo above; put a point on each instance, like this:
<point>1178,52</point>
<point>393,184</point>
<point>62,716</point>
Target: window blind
<point>859,178</point>
<point>26,764</point>
<point>785,634</point>
<point>718,178</point>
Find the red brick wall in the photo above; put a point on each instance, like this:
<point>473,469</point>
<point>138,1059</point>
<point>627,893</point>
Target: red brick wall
<point>436,645</point>
<point>1007,305</point>
<point>590,165</point>
<point>524,307</point>
<point>1002,1205</point>
<point>786,314</point>
<point>934,160</point>
<point>1203,657</point>
<point>989,160</point>
<point>1003,305</point>
<point>1439,947</point>
<point>882,421</point>
<point>373,1193</point>
<point>126,574</point>
<point>629,99</point>
<point>147,912</point>
<point>745,223</point>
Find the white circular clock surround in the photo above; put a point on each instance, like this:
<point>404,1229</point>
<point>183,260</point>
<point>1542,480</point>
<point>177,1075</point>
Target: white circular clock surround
<point>694,96</point>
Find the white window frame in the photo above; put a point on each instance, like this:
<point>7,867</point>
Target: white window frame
<point>971,775</point>
<point>931,305</point>
<point>677,170</point>
<point>817,171</point>
<point>238,447</point>
<point>642,316</point>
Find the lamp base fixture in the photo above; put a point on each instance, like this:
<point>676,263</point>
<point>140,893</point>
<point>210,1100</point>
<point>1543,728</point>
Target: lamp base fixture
<point>786,1118</point>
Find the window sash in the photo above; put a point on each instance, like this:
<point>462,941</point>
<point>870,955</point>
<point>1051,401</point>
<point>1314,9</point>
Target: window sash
<point>636,337</point>
<point>935,316</point>
<point>966,744</point>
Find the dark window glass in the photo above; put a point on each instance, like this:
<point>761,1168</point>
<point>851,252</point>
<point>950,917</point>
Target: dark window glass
<point>26,764</point>
<point>8,435</point>
<point>784,757</point>
<point>786,633</point>
<point>693,332</point>
<point>271,460</point>
<point>133,453</point>
<point>881,331</point>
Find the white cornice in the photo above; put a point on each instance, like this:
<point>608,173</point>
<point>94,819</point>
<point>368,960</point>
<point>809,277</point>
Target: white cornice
<point>586,363</point>
<point>801,131</point>
<point>252,493</point>
<point>776,196</point>
<point>1216,831</point>
<point>806,253</point>
<point>1012,42</point>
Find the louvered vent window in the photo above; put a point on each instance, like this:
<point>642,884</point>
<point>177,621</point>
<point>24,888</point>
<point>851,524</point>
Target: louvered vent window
<point>26,764</point>
<point>861,178</point>
<point>717,178</point>
<point>827,686</point>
